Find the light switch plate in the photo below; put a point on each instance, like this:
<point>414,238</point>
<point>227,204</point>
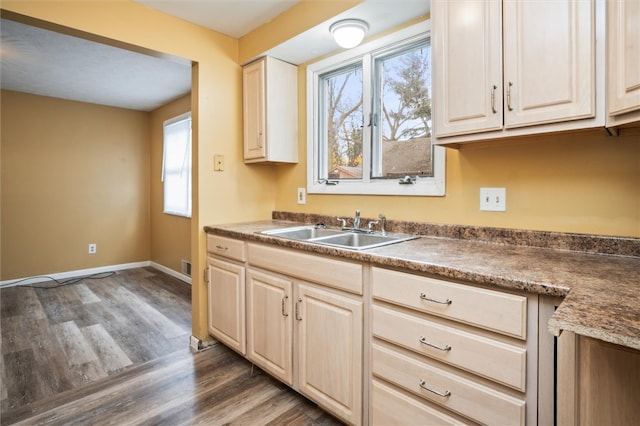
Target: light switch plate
<point>218,162</point>
<point>493,199</point>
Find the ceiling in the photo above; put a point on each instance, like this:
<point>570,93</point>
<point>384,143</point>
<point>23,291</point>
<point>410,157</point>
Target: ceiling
<point>47,63</point>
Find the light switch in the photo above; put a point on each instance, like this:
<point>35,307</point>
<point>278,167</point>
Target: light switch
<point>493,199</point>
<point>218,162</point>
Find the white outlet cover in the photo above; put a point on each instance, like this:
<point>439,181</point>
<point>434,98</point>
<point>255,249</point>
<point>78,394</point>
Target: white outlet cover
<point>302,196</point>
<point>493,199</point>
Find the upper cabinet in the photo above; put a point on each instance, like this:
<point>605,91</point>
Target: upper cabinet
<point>623,34</point>
<point>507,68</point>
<point>270,111</point>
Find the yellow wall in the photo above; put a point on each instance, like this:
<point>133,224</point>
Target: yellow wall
<point>170,235</point>
<point>72,174</point>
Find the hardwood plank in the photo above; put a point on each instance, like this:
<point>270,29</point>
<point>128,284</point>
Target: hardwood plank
<point>85,295</point>
<point>74,344</point>
<point>108,351</point>
<point>55,310</point>
<point>15,335</point>
<point>16,301</point>
<point>158,321</point>
<point>22,382</point>
<point>53,369</point>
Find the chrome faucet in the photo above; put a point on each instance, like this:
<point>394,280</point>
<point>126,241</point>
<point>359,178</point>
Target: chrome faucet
<point>356,221</point>
<point>383,224</point>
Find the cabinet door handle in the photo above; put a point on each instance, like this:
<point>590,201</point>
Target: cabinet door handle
<point>219,247</point>
<point>444,348</point>
<point>258,142</point>
<point>284,312</point>
<point>430,299</point>
<point>424,386</point>
<point>298,317</point>
<point>493,98</point>
<point>509,96</point>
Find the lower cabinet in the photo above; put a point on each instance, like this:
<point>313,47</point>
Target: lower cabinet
<point>226,297</point>
<point>598,382</point>
<point>329,350</point>
<point>296,325</point>
<point>450,353</point>
<point>308,335</point>
<point>270,324</point>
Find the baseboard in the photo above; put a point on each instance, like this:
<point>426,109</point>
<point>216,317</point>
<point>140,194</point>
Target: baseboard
<point>169,271</point>
<point>73,274</point>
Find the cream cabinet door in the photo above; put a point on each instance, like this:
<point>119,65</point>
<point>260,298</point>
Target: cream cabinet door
<point>467,66</point>
<point>329,350</point>
<point>269,324</point>
<point>226,311</point>
<point>549,61</point>
<point>254,110</point>
<point>623,28</point>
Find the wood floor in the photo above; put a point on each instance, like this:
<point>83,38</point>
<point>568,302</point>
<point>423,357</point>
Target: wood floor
<point>115,351</point>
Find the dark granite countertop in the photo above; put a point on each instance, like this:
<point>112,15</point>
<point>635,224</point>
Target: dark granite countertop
<point>601,291</point>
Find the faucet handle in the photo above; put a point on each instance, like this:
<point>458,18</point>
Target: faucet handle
<point>343,222</point>
<point>371,224</point>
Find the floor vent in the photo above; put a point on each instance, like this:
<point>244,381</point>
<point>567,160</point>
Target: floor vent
<point>186,267</point>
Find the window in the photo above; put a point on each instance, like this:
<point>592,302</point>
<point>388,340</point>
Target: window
<point>176,165</point>
<point>369,119</point>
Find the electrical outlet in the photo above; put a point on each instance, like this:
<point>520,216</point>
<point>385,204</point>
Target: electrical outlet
<point>302,196</point>
<point>93,248</point>
<point>493,199</point>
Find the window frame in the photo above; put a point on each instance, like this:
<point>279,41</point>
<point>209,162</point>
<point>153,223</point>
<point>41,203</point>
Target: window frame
<point>423,186</point>
<point>169,122</point>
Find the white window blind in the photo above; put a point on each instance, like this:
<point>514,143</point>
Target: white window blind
<point>176,166</point>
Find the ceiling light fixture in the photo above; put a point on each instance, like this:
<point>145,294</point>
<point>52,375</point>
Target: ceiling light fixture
<point>348,33</point>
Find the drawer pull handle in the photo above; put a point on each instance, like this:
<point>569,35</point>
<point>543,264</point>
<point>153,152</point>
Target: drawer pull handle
<point>429,299</point>
<point>284,312</point>
<point>424,386</point>
<point>444,348</point>
<point>219,247</point>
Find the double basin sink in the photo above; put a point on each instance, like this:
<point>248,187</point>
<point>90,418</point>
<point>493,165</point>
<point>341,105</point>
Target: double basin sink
<point>349,239</point>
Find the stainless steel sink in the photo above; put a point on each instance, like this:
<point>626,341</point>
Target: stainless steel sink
<point>303,232</point>
<point>358,241</point>
<point>339,238</point>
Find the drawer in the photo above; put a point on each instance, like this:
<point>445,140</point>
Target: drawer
<point>227,247</point>
<point>390,407</point>
<point>458,394</point>
<point>490,358</point>
<point>334,273</point>
<point>493,310</point>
